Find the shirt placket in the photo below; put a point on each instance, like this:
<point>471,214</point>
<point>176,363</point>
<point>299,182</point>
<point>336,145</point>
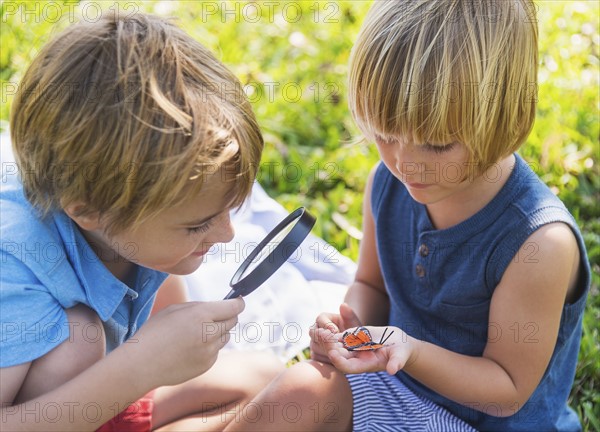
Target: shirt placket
<point>422,267</point>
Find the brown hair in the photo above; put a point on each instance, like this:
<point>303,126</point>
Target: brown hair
<point>130,116</point>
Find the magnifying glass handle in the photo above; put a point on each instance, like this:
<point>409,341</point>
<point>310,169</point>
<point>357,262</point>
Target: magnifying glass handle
<point>232,294</point>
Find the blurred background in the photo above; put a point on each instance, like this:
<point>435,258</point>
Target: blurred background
<point>291,56</point>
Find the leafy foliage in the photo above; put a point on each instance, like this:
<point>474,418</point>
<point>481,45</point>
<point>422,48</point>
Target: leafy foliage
<point>292,58</point>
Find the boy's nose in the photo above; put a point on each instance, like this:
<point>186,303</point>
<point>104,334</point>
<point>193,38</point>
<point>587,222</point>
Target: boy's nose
<point>225,231</point>
<point>405,161</point>
<point>230,233</point>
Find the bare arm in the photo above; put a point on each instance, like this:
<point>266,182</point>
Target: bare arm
<point>84,403</point>
<point>367,295</point>
<point>529,296</point>
<point>172,291</point>
<point>177,344</point>
<point>12,379</point>
<point>366,300</point>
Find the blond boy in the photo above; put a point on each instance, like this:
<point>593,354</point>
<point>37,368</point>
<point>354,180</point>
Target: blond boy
<point>133,143</point>
<point>473,263</point>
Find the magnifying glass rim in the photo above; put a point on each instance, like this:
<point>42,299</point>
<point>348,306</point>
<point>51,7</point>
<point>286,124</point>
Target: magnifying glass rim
<point>304,223</point>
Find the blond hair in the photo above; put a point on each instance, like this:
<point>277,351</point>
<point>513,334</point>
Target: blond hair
<point>439,72</point>
<point>130,116</point>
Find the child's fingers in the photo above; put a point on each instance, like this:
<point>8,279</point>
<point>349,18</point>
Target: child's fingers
<point>317,352</point>
<point>396,362</point>
<point>348,316</point>
<point>224,309</point>
<point>358,362</point>
<point>326,338</point>
<point>229,324</point>
<point>313,333</point>
<point>346,362</point>
<point>322,335</point>
<point>338,360</point>
<point>217,332</point>
<point>323,358</point>
<point>328,321</point>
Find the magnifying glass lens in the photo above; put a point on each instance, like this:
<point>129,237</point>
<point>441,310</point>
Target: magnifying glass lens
<point>271,253</point>
<point>266,253</point>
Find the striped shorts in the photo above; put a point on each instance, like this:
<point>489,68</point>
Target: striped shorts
<point>382,403</point>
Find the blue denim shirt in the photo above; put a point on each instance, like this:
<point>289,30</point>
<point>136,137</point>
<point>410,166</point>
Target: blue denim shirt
<point>47,267</point>
<point>440,284</point>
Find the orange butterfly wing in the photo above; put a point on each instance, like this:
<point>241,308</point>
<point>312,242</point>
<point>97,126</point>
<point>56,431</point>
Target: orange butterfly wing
<point>368,347</point>
<point>356,340</point>
<point>364,335</point>
<point>361,340</point>
<point>351,340</point>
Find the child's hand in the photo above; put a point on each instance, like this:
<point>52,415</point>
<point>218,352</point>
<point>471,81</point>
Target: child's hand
<point>182,341</point>
<point>399,350</point>
<point>325,328</point>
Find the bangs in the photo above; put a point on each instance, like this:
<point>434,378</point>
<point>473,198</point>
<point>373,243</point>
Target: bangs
<point>230,166</point>
<point>439,75</point>
<point>398,86</point>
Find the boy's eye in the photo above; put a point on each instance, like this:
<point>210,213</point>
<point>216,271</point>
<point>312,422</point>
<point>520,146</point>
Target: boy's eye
<point>383,140</point>
<point>439,149</point>
<point>200,228</point>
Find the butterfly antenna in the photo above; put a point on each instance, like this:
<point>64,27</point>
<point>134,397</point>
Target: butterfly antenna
<point>383,335</point>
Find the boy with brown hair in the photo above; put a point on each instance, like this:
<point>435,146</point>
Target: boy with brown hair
<point>133,143</point>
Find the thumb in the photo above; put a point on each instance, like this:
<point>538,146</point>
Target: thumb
<point>222,310</point>
<point>396,362</point>
<point>349,318</point>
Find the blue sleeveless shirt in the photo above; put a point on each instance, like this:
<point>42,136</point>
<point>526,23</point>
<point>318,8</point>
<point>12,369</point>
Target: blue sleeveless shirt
<point>440,284</point>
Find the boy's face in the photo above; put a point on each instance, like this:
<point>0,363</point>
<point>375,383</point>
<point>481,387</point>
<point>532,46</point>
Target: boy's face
<point>176,240</point>
<point>430,173</point>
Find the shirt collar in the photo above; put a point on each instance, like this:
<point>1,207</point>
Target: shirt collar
<point>103,290</point>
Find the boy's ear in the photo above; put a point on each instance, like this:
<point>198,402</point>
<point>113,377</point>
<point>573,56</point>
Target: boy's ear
<point>85,221</point>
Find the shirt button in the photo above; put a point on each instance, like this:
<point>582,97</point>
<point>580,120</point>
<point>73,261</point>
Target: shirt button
<point>423,250</point>
<point>420,270</point>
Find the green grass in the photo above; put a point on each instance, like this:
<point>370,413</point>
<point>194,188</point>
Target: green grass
<point>293,57</point>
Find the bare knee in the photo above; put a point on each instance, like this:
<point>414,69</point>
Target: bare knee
<point>311,379</point>
<point>322,392</point>
<point>307,396</point>
<point>85,345</point>
<point>264,367</point>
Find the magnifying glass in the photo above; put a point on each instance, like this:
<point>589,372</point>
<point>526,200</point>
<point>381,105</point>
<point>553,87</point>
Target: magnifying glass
<point>271,253</point>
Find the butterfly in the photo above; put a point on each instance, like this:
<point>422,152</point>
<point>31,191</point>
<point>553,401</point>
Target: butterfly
<point>361,340</point>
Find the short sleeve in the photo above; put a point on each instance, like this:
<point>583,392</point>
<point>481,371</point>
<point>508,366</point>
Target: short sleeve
<point>32,321</point>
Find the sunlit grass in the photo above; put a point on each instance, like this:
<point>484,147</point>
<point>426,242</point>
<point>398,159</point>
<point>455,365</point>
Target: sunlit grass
<point>293,59</point>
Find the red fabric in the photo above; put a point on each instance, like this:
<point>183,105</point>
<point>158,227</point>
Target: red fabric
<point>137,417</point>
